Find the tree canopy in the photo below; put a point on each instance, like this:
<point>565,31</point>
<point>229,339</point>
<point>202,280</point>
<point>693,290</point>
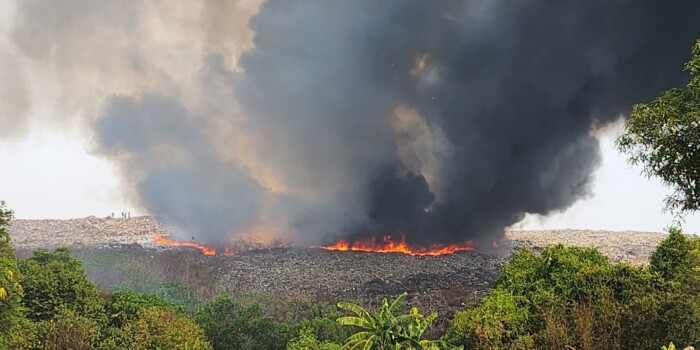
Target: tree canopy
<point>664,137</point>
<point>54,281</point>
<point>11,292</point>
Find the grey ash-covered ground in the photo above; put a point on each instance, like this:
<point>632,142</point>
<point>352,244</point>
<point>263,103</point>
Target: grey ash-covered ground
<point>447,280</point>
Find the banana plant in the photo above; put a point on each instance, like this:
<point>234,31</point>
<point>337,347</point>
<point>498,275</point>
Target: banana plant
<point>385,331</point>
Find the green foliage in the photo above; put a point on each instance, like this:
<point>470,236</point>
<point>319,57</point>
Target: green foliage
<point>126,308</point>
<point>6,215</point>
<point>67,330</point>
<point>230,325</point>
<point>157,328</point>
<point>321,320</point>
<point>384,330</point>
<point>500,321</point>
<point>12,320</point>
<point>114,339</point>
<point>123,307</point>
<point>307,341</point>
<point>569,273</point>
<point>56,281</point>
<point>664,137</point>
<point>677,258</point>
<point>575,297</point>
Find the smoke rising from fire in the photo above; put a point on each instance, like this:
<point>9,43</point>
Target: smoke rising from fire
<point>438,120</point>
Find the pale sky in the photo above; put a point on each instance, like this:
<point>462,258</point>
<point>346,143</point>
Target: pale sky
<point>48,173</point>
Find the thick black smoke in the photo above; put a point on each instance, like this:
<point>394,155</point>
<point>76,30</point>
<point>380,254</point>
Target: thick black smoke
<point>439,120</point>
<point>515,89</point>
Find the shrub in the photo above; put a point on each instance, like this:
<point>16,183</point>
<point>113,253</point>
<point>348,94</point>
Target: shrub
<point>569,273</point>
<point>114,339</point>
<point>320,319</point>
<point>676,258</point>
<point>157,328</point>
<point>307,341</point>
<point>123,306</point>
<point>230,325</point>
<point>12,320</point>
<point>67,330</point>
<point>55,281</point>
<point>501,320</point>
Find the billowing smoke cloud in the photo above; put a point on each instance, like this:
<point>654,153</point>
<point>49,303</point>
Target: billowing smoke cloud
<point>14,98</point>
<point>440,120</point>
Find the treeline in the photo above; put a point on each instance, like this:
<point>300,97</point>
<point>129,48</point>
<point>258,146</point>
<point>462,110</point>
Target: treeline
<point>567,297</point>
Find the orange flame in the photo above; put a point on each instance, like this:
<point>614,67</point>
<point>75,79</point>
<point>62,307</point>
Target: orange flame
<point>237,245</point>
<point>389,245</point>
<point>161,239</point>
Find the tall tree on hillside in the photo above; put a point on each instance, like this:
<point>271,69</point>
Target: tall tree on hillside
<point>664,137</point>
<point>55,281</point>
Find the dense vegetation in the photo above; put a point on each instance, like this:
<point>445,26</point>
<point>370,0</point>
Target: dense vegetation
<point>567,296</point>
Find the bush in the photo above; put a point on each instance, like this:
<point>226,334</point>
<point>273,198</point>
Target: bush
<point>12,320</point>
<point>230,325</point>
<point>677,258</point>
<point>574,297</point>
<point>67,330</point>
<point>501,320</point>
<point>124,306</point>
<point>157,328</point>
<point>307,341</point>
<point>114,339</point>
<point>56,282</point>
<point>568,273</point>
<point>320,319</point>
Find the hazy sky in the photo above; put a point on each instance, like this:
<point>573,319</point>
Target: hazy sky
<point>48,170</point>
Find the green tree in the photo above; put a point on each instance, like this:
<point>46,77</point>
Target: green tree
<point>321,319</point>
<point>384,330</point>
<point>499,323</point>
<point>10,289</point>
<point>307,341</point>
<point>231,325</point>
<point>11,313</point>
<point>68,330</point>
<point>567,296</point>
<point>676,258</point>
<point>54,282</point>
<point>664,137</point>
<point>158,328</point>
<point>125,306</point>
